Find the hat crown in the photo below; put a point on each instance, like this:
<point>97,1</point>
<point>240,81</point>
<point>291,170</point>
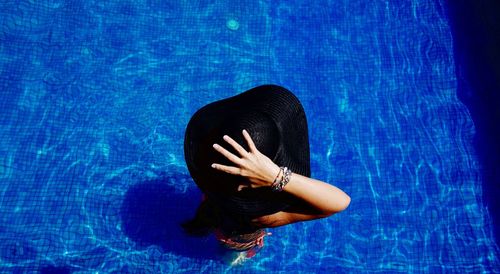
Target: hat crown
<point>263,133</point>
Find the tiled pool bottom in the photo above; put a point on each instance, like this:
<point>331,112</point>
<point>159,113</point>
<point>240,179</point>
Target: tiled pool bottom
<point>96,97</point>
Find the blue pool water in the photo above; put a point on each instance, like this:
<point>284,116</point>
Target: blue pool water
<point>96,97</point>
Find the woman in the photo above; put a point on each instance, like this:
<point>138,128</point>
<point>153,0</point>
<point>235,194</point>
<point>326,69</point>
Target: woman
<point>260,179</point>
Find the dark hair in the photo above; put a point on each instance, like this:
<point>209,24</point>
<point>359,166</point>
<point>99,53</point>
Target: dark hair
<point>210,216</point>
<point>207,218</point>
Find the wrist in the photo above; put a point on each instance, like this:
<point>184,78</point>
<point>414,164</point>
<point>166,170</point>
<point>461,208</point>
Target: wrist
<point>276,170</point>
<point>280,183</point>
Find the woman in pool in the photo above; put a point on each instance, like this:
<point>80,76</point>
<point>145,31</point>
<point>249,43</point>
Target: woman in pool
<point>244,190</point>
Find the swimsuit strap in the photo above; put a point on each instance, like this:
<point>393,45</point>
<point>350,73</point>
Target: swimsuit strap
<point>259,242</point>
<point>243,246</point>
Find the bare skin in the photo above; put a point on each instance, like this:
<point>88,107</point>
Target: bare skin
<point>319,199</point>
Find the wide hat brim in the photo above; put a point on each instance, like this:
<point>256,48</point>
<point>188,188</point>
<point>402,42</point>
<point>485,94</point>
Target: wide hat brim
<point>277,124</point>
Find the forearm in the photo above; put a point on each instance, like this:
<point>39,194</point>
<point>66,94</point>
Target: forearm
<point>324,197</point>
<point>260,171</point>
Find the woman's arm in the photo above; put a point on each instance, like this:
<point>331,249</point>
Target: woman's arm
<point>317,200</point>
<point>325,198</point>
<point>261,171</point>
<point>295,213</point>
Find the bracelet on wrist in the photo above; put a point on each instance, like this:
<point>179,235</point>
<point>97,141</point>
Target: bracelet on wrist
<point>274,181</point>
<point>285,178</point>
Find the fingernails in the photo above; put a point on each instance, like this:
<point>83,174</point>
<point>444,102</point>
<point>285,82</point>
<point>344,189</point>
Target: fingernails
<point>244,131</point>
<point>215,145</point>
<point>213,165</point>
<point>225,137</point>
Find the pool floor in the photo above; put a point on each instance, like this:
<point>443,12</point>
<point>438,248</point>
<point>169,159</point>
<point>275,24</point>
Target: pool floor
<point>96,97</point>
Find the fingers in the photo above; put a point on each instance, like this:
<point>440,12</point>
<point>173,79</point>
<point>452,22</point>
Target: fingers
<point>251,145</point>
<point>228,169</point>
<point>235,144</point>
<point>226,153</point>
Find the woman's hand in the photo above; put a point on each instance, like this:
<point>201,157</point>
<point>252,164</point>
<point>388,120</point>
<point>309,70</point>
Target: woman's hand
<point>257,167</point>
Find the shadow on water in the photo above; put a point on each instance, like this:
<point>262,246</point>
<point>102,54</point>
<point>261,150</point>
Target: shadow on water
<point>55,270</point>
<point>152,213</point>
<point>476,39</point>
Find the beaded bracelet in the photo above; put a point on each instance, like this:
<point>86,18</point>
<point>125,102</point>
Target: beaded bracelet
<point>285,178</point>
<point>274,181</point>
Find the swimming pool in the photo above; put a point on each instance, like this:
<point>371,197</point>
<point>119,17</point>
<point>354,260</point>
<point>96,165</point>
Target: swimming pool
<point>96,98</point>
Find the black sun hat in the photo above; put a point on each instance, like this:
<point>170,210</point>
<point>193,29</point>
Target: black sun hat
<point>277,124</point>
